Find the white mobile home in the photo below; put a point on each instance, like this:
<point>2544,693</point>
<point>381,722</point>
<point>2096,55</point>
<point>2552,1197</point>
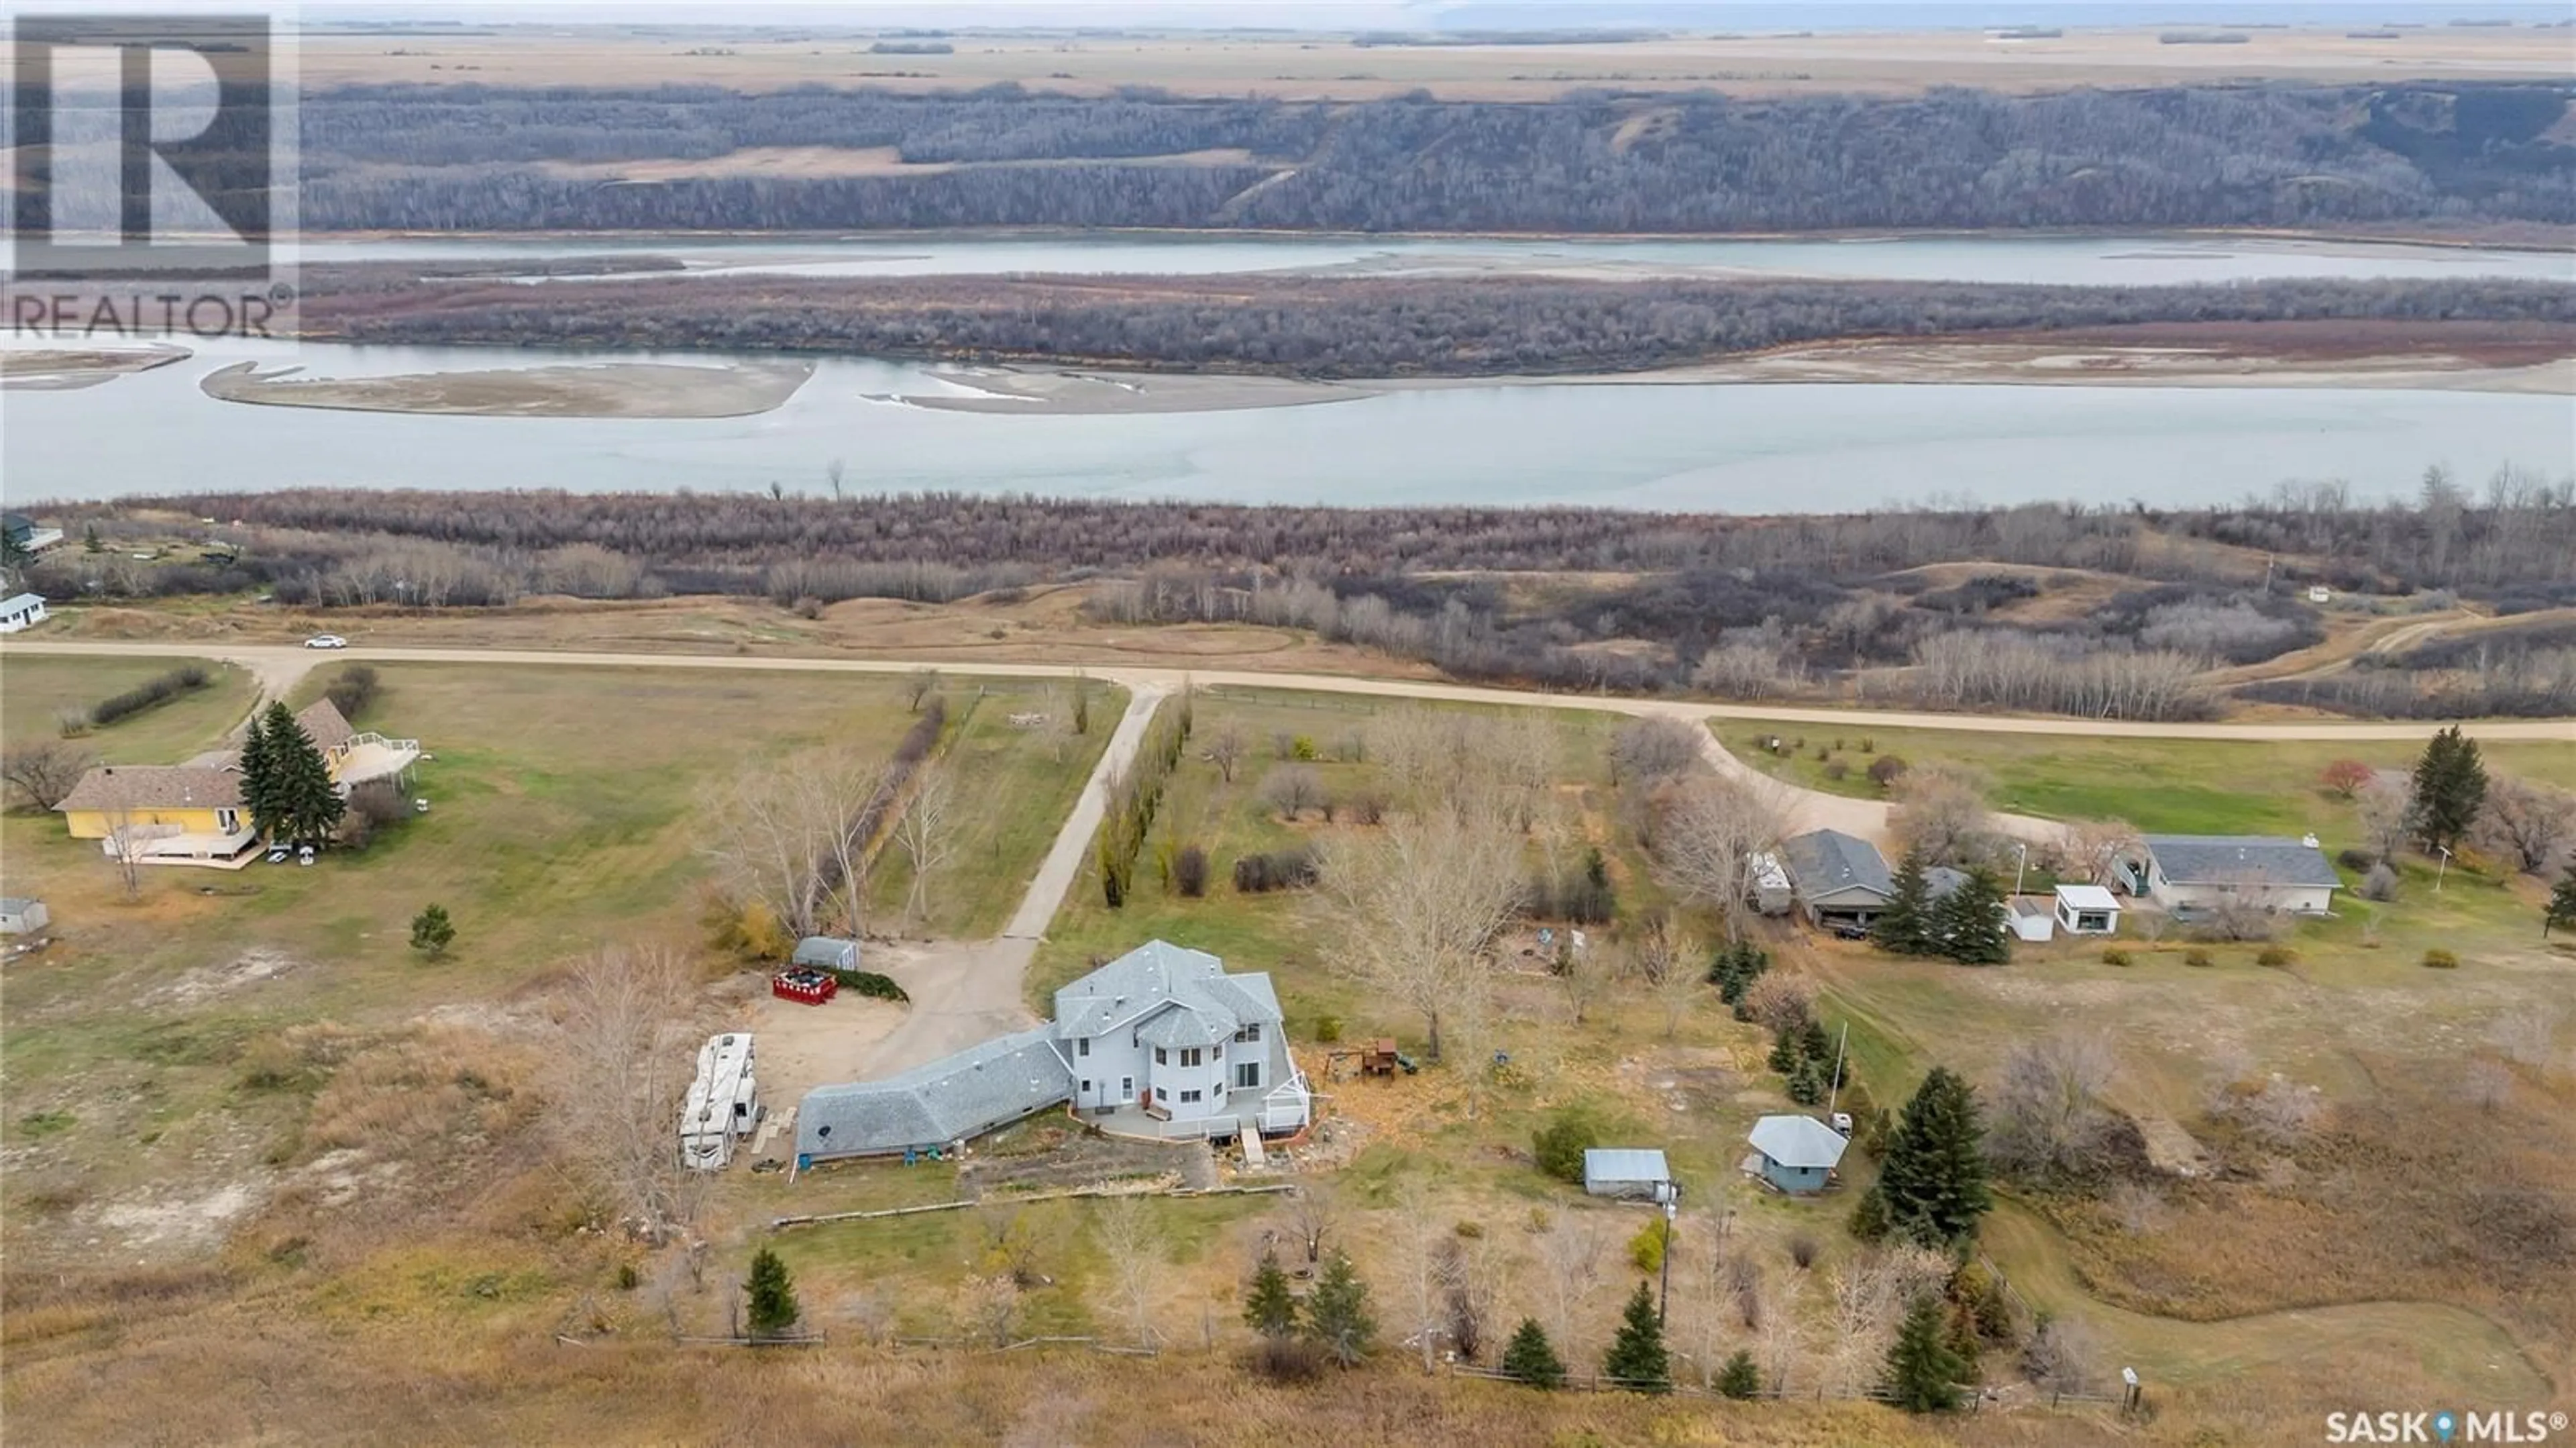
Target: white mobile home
<point>723,1103</point>
<point>26,610</point>
<point>2191,873</point>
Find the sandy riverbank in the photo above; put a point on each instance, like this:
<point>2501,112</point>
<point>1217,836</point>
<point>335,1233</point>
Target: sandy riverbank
<point>1050,392</point>
<point>66,369</point>
<point>607,390</point>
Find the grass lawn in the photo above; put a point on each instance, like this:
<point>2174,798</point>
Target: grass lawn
<point>2171,786</point>
<point>1014,789</point>
<point>1273,932</point>
<point>564,815</point>
<point>33,689</point>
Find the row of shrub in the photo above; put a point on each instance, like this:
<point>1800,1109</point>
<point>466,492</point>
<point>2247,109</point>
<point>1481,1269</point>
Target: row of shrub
<point>1294,868</point>
<point>353,691</point>
<point>1136,797</point>
<point>150,694</point>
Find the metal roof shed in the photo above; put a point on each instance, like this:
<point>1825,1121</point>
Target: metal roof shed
<point>1624,1172</point>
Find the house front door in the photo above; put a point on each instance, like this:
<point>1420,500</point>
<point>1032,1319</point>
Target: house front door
<point>1126,1089</point>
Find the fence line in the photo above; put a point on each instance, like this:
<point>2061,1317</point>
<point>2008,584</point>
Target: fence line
<point>1974,1394</point>
<point>817,1218</point>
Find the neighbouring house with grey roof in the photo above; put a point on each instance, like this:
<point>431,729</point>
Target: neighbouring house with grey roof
<point>2188,873</point>
<point>1797,1154</point>
<point>1837,878</point>
<point>1160,1042</point>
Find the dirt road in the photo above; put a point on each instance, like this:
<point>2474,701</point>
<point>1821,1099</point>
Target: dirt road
<point>278,666</point>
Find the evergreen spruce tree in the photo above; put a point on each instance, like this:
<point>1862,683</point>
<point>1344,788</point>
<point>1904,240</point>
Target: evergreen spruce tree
<point>1815,1043</point>
<point>1637,1360</point>
<point>1740,1378</point>
<point>1531,1358</point>
<point>259,793</point>
<point>1337,1314</point>
<point>297,780</point>
<point>432,932</point>
<point>1269,1309</point>
<point>1807,1083</point>
<point>2561,912</point>
<point>1785,1053</point>
<point>1934,1174</point>
<point>773,1295</point>
<point>1869,1219</point>
<point>2450,787</point>
<point>1922,1372</point>
<point>1968,923</point>
<point>1905,926</point>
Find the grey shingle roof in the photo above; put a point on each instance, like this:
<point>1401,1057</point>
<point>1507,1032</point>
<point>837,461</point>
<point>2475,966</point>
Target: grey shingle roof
<point>1824,861</point>
<point>2241,859</point>
<point>954,1098</point>
<point>154,786</point>
<point>1798,1141</point>
<point>1158,972</point>
<point>1183,1026</point>
<point>323,723</point>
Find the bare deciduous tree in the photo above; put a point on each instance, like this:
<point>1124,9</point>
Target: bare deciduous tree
<point>1312,1217</point>
<point>1940,813</point>
<point>40,773</point>
<point>2275,1111</point>
<point>927,833</point>
<point>1417,1241</point>
<point>2385,809</point>
<point>1569,1256</point>
<point>1780,1001</point>
<point>1781,1340</point>
<point>2046,1115</point>
<point>1417,906</point>
<point>626,1024</point>
<point>1225,750</point>
<point>1584,977</point>
<point>1125,1230</point>
<point>1669,958</point>
<point>1707,830</point>
<point>917,686</point>
<point>2526,822</point>
<point>1292,789</point>
<point>1871,1293</point>
<point>2090,852</point>
<point>791,837</point>
<point>1647,750</point>
<point>2138,1208</point>
<point>2063,1356</point>
<point>1468,1287</point>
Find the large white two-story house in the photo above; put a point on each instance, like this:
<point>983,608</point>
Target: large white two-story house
<point>1160,1042</point>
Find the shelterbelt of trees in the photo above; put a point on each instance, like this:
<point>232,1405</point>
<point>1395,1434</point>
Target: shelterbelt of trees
<point>1346,327</point>
<point>471,157</point>
<point>1756,608</point>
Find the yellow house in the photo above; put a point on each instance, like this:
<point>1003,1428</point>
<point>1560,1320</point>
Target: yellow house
<point>192,814</point>
<point>181,814</point>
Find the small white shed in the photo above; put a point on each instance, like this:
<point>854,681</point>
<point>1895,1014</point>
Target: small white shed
<point>2087,910</point>
<point>1625,1172</point>
<point>22,611</point>
<point>2031,920</point>
<point>23,917</point>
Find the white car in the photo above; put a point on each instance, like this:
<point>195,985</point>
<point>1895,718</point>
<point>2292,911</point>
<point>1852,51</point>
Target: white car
<point>326,641</point>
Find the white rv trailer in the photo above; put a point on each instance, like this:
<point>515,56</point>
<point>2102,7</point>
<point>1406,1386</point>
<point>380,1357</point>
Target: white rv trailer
<point>723,1104</point>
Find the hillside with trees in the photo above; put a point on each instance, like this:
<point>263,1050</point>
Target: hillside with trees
<point>473,157</point>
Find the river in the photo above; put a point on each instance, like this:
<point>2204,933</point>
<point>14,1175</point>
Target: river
<point>1769,448</point>
<point>1772,448</point>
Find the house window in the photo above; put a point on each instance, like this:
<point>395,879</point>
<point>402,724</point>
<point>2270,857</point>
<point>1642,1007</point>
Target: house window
<point>1082,1047</point>
<point>1247,1075</point>
<point>1250,1032</point>
<point>1190,1096</point>
<point>1190,1056</point>
<point>1086,1088</point>
<point>1159,1058</point>
<point>228,820</point>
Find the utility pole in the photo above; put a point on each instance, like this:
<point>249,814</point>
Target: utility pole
<point>2441,869</point>
<point>2022,848</point>
<point>1834,1092</point>
<point>1671,1192</point>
